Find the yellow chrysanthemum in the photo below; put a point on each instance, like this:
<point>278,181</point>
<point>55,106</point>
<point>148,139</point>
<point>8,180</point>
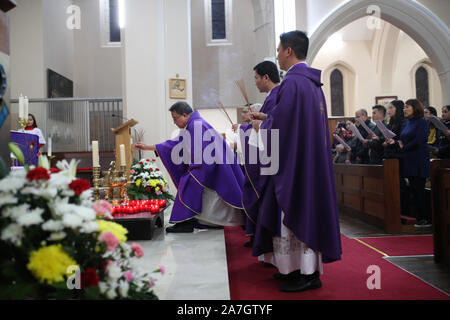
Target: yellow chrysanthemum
<point>49,264</point>
<point>119,231</point>
<point>157,189</point>
<point>138,182</point>
<point>153,182</point>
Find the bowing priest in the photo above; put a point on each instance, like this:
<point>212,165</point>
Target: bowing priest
<point>298,230</point>
<point>267,79</point>
<point>204,170</point>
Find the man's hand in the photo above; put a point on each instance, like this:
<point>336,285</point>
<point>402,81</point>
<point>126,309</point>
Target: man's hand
<point>259,116</point>
<point>375,137</point>
<point>141,146</point>
<point>256,124</point>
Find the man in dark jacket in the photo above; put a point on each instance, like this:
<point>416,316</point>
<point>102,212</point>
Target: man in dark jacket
<point>375,143</point>
<point>361,152</point>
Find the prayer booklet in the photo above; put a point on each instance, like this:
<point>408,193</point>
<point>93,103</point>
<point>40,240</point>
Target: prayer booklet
<point>438,123</point>
<point>364,125</point>
<point>356,132</point>
<point>388,134</point>
<point>342,141</point>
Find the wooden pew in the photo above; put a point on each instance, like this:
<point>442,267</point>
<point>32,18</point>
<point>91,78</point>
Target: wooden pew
<point>371,193</point>
<point>440,202</point>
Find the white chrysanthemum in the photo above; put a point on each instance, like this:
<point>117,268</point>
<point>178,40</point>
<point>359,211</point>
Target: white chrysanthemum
<point>59,181</point>
<point>52,225</point>
<point>12,233</point>
<point>114,271</point>
<point>71,220</point>
<point>31,218</point>
<point>46,193</point>
<point>123,288</point>
<point>111,294</point>
<point>103,286</point>
<point>7,198</point>
<point>68,169</point>
<point>11,183</point>
<point>85,213</point>
<point>15,212</point>
<point>86,195</point>
<point>57,236</point>
<point>89,227</point>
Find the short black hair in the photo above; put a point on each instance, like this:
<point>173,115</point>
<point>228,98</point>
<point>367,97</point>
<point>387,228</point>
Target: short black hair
<point>380,108</point>
<point>181,107</point>
<point>269,68</point>
<point>447,107</point>
<point>363,111</point>
<point>432,110</point>
<point>298,41</point>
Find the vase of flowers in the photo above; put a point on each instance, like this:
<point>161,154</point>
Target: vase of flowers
<point>56,243</point>
<point>147,181</point>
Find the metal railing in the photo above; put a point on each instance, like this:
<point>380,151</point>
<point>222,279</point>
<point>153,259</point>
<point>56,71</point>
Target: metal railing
<point>73,123</point>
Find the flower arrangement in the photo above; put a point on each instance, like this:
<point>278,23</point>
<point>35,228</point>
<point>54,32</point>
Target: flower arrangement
<point>56,244</point>
<point>147,181</point>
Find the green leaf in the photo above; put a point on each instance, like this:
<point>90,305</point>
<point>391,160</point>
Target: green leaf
<point>3,169</point>
<point>14,148</point>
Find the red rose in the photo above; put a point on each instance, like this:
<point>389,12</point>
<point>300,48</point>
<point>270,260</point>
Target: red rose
<point>148,160</point>
<point>89,278</point>
<point>147,189</point>
<point>157,169</point>
<point>151,170</point>
<point>79,185</point>
<point>54,170</point>
<point>38,174</point>
<point>140,162</point>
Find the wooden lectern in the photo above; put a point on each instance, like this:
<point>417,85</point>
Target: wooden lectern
<point>123,136</point>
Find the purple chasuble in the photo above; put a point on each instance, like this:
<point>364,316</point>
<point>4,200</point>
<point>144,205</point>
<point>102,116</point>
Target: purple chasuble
<point>304,186</point>
<point>197,172</point>
<point>250,192</point>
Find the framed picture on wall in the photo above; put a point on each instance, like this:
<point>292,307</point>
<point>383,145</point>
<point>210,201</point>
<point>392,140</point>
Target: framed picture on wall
<point>384,101</point>
<point>59,86</point>
<point>177,88</point>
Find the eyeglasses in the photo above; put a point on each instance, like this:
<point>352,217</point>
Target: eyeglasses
<point>175,119</point>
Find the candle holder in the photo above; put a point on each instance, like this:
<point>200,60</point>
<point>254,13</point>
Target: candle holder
<point>23,123</point>
<point>123,189</point>
<point>96,181</point>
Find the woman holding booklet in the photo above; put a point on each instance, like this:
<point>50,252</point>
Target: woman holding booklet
<point>416,161</point>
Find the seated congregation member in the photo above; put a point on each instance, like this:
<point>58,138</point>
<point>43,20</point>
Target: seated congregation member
<point>361,152</point>
<point>375,143</point>
<point>415,161</point>
<point>267,80</point>
<point>32,128</point>
<point>209,193</point>
<point>341,154</point>
<point>443,140</point>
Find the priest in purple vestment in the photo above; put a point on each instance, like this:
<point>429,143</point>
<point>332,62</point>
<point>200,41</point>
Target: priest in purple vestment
<point>204,170</point>
<point>297,225</point>
<point>267,79</point>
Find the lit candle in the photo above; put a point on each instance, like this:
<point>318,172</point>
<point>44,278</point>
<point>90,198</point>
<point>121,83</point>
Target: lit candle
<point>25,107</point>
<point>95,156</point>
<point>122,155</point>
<point>21,107</point>
<point>49,147</point>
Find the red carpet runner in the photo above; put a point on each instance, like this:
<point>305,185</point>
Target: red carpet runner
<point>342,280</point>
<point>402,245</point>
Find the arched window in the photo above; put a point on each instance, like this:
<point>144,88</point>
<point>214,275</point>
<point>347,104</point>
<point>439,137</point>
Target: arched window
<point>337,93</point>
<point>422,87</point>
<point>218,22</point>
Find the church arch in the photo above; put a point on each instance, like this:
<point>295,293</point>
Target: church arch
<point>417,21</point>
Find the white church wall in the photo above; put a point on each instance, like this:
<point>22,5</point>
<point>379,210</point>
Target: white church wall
<point>58,39</point>
<point>98,71</point>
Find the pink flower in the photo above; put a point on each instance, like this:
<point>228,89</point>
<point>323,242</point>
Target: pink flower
<point>132,171</point>
<point>129,276</point>
<point>162,269</point>
<point>137,249</point>
<point>110,239</point>
<point>151,283</point>
<point>102,207</point>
